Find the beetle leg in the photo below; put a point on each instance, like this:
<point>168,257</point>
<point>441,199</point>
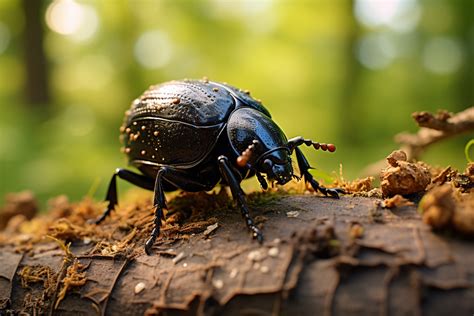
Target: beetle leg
<point>239,196</point>
<point>111,197</point>
<point>262,180</point>
<point>304,166</point>
<point>158,202</point>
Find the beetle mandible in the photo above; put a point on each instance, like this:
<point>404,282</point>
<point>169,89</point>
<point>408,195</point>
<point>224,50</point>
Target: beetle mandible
<point>193,134</point>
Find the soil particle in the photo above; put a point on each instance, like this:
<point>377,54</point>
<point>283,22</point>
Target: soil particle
<point>445,208</point>
<point>356,230</point>
<point>438,206</point>
<point>396,201</point>
<point>403,177</point>
<point>443,176</point>
<point>470,170</point>
<point>463,217</point>
<point>395,157</point>
<point>139,287</point>
<point>210,229</point>
<point>22,203</point>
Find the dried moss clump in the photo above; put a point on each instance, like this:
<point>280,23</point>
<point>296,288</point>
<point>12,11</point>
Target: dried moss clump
<point>75,277</point>
<point>357,186</point>
<point>37,274</point>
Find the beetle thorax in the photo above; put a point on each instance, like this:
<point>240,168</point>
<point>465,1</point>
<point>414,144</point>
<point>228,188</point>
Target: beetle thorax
<point>269,153</point>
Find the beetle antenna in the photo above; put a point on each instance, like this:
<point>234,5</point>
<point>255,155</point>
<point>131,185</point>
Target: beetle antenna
<point>298,141</point>
<point>323,146</point>
<point>246,155</point>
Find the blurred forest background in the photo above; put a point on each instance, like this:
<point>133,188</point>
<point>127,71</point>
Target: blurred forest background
<point>348,72</point>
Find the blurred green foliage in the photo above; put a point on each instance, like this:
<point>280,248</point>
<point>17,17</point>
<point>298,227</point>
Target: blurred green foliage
<point>346,72</point>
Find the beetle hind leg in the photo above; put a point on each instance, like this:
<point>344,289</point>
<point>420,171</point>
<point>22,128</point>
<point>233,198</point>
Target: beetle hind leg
<point>239,196</point>
<point>304,166</point>
<point>159,203</point>
<point>111,196</point>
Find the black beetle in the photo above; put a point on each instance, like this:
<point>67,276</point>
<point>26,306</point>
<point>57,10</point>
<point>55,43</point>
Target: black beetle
<point>193,134</point>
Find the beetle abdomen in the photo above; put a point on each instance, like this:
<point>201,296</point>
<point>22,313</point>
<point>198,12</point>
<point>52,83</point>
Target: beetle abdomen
<point>157,141</point>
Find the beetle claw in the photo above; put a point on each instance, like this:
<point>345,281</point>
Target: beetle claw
<point>257,234</point>
<point>149,245</point>
<point>334,193</point>
<point>97,221</point>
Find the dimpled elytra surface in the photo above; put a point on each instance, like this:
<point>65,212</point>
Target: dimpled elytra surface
<point>194,102</point>
<point>175,123</point>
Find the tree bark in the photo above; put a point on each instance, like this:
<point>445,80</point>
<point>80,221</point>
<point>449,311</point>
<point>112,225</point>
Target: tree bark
<point>321,256</point>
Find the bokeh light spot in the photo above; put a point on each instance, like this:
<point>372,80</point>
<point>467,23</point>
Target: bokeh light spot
<point>398,15</point>
<point>68,17</point>
<point>376,51</point>
<point>64,16</point>
<point>89,24</point>
<point>153,49</point>
<point>258,16</point>
<point>442,55</point>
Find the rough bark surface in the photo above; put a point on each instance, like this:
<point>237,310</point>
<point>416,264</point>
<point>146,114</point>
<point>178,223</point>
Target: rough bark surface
<point>320,257</point>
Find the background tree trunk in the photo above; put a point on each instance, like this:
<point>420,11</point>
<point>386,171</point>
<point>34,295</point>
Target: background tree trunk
<point>37,83</point>
<point>321,257</point>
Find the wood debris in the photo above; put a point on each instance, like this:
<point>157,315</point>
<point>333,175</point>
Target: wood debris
<point>403,177</point>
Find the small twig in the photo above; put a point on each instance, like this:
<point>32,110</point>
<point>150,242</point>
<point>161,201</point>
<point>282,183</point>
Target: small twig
<point>433,128</point>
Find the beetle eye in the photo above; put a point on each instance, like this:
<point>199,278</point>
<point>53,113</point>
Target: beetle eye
<point>267,164</point>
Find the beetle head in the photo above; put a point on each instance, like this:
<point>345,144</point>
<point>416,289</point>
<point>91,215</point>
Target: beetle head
<point>276,164</point>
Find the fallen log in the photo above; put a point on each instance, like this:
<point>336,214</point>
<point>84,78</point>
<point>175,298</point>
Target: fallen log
<point>321,256</point>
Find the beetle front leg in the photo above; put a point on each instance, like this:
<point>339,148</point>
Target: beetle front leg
<point>261,179</point>
<point>111,196</point>
<point>159,203</point>
<point>304,166</point>
<point>239,195</point>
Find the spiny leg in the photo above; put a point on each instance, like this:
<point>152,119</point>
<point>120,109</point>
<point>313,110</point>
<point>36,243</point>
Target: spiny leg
<point>261,179</point>
<point>239,195</point>
<point>111,196</point>
<point>174,179</point>
<point>159,203</point>
<point>304,166</point>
